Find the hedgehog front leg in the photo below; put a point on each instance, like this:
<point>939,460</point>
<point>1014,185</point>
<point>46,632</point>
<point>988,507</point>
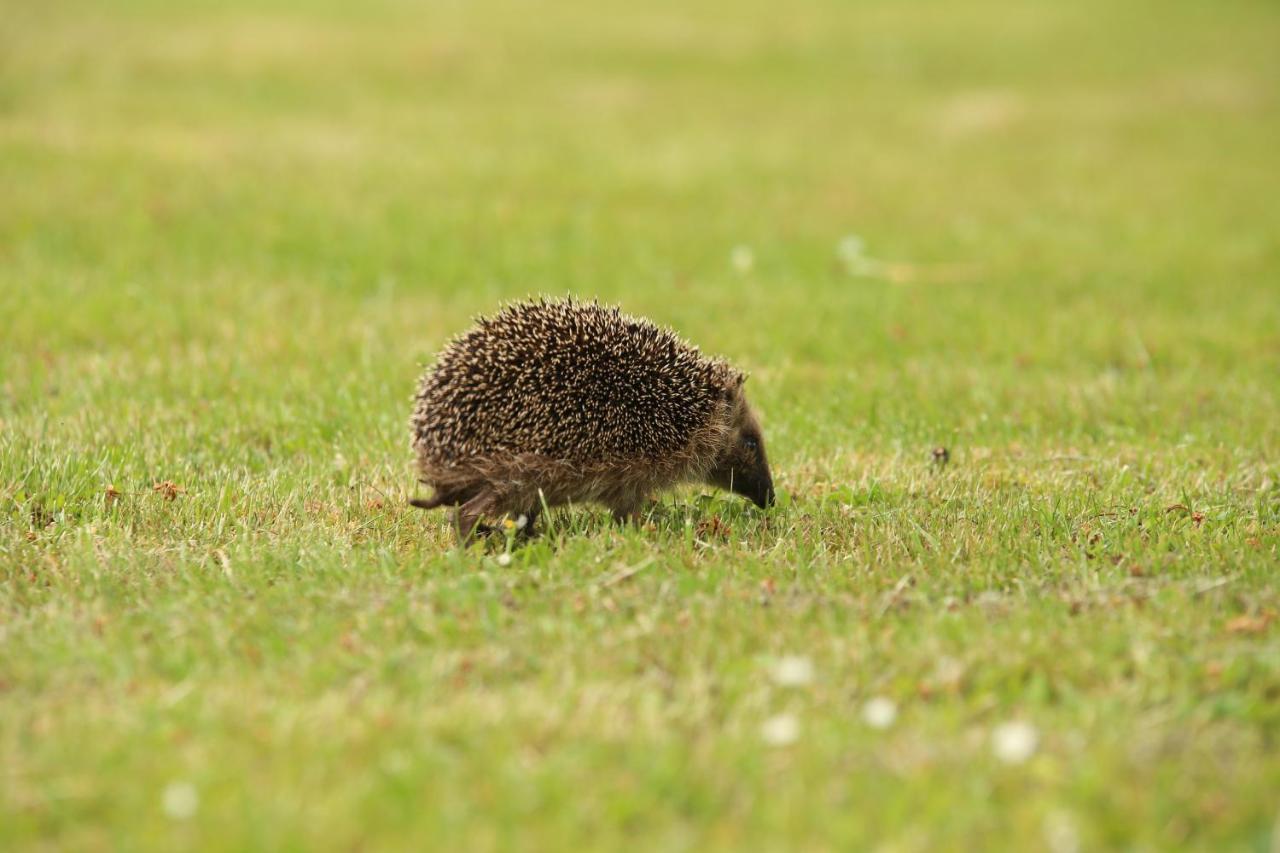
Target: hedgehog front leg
<point>531,517</point>
<point>627,512</point>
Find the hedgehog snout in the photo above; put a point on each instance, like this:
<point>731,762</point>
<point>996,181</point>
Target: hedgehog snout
<point>755,486</point>
<point>744,470</point>
<point>769,496</point>
<point>762,495</point>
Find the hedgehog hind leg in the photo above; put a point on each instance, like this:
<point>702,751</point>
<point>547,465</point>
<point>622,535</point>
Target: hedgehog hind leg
<point>467,518</point>
<point>443,495</point>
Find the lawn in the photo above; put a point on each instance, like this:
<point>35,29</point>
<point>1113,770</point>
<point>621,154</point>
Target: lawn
<point>1042,236</point>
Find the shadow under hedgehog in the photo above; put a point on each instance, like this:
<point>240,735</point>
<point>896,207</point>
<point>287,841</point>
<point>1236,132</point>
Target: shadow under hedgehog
<point>551,402</point>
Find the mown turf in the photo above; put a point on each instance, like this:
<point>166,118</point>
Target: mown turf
<point>231,234</point>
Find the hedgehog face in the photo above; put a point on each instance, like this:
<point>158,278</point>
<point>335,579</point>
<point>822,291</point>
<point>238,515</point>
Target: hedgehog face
<point>742,466</point>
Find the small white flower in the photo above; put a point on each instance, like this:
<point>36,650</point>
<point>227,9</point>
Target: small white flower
<point>522,521</point>
<point>781,730</point>
<point>850,250</point>
<point>793,671</point>
<point>504,559</point>
<point>742,259</point>
<point>1014,742</point>
<point>879,713</point>
<point>180,800</point>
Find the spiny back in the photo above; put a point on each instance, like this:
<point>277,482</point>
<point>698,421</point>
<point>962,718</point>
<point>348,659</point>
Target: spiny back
<point>568,380</point>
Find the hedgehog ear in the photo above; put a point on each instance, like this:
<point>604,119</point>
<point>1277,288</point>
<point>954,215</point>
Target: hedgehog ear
<point>733,388</point>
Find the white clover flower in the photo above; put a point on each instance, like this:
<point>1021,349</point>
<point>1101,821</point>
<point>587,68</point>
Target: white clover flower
<point>781,730</point>
<point>879,712</point>
<point>1014,742</point>
<point>180,800</point>
<point>793,671</point>
<point>504,559</point>
<point>742,259</point>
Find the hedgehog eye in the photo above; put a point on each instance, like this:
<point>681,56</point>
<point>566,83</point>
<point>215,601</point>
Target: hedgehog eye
<point>750,443</point>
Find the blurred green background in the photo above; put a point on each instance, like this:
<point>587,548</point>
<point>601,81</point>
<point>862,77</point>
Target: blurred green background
<point>1043,235</point>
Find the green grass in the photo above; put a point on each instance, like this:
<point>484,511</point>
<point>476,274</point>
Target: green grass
<point>231,235</point>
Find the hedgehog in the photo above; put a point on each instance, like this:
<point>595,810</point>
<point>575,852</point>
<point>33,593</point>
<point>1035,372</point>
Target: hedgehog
<point>552,402</point>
